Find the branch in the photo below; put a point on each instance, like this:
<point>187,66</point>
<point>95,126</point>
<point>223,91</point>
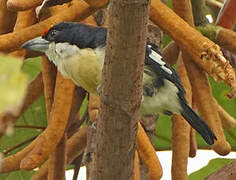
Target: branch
<point>57,161</point>
<point>227,15</point>
<point>74,145</point>
<point>202,51</point>
<point>171,53</point>
<point>49,73</point>
<point>116,114</point>
<point>78,10</point>
<point>228,122</point>
<point>136,167</point>
<point>224,37</point>
<point>193,143</point>
<point>202,93</point>
<point>55,130</point>
<point>15,5</point>
<point>24,19</point>
<point>12,163</point>
<point>148,154</point>
<point>93,107</point>
<point>7,18</point>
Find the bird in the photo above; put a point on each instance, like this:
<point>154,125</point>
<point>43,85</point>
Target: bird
<point>78,52</point>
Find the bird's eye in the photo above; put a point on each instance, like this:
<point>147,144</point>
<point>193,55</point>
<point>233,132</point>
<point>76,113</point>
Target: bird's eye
<point>53,33</point>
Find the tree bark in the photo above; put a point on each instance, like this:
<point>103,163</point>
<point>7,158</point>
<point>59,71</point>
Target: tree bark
<point>121,90</point>
<point>228,172</point>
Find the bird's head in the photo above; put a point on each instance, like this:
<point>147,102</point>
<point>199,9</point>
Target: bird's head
<point>81,35</point>
<point>58,33</point>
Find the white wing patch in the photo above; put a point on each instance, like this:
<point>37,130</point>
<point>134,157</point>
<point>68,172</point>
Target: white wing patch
<point>166,69</point>
<point>157,58</point>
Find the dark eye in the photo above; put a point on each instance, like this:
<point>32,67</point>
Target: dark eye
<point>53,33</point>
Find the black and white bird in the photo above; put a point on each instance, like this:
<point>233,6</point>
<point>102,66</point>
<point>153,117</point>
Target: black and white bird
<point>78,51</point>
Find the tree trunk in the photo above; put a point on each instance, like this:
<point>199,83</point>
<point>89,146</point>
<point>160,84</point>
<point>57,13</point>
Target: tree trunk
<point>121,90</point>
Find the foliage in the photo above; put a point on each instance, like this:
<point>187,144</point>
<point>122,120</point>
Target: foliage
<point>13,84</point>
<point>34,116</point>
<point>211,167</point>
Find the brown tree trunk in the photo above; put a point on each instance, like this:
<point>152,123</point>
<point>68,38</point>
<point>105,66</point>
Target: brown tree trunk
<point>121,90</point>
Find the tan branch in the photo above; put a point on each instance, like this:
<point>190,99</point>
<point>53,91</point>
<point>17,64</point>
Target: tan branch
<point>171,53</point>
<point>7,18</point>
<point>49,73</point>
<point>12,163</point>
<point>57,161</point>
<point>93,107</point>
<point>22,5</point>
<point>180,147</point>
<point>193,143</point>
<point>78,10</point>
<point>136,167</point>
<point>148,154</point>
<point>24,19</point>
<point>55,130</point>
<point>75,146</point>
<point>228,122</point>
<point>181,129</point>
<point>202,51</point>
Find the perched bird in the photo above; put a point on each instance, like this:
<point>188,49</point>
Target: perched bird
<point>78,51</point>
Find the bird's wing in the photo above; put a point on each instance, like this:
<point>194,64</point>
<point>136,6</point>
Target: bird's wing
<point>155,62</point>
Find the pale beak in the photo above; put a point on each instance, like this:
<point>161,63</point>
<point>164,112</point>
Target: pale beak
<point>36,44</point>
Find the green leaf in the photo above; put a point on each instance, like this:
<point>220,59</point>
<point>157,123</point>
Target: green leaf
<point>35,115</point>
<point>32,67</point>
<point>211,167</point>
<point>18,175</point>
<point>13,84</point>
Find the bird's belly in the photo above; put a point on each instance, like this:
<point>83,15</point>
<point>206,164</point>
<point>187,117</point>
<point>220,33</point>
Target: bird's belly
<point>164,100</point>
<point>85,72</point>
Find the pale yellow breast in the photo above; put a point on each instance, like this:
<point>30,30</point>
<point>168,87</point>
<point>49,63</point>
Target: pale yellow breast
<point>85,69</point>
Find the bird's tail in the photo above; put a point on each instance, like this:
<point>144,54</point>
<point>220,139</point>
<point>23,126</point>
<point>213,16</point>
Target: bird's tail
<point>198,124</point>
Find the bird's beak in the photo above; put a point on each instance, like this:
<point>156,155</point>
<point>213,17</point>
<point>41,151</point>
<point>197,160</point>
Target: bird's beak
<point>36,44</point>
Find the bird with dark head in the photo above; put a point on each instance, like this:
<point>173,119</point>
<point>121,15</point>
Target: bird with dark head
<point>78,51</point>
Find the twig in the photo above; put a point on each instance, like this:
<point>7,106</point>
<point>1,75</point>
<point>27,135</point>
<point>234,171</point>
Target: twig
<point>77,163</point>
